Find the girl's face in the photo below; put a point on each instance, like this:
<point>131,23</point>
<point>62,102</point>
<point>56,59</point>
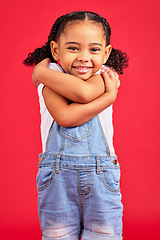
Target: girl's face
<point>81,48</point>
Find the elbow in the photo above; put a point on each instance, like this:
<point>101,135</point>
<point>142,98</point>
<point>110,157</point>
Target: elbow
<point>85,99</point>
<point>85,96</point>
<point>64,118</point>
<point>67,124</point>
<point>66,121</point>
<point>37,73</point>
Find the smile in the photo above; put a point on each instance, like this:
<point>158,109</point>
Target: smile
<point>81,69</point>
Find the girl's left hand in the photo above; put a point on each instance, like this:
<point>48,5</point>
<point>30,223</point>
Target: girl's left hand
<point>112,74</point>
<point>43,63</point>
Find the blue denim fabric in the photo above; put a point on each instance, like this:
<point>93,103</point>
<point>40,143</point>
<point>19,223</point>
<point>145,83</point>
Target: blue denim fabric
<point>78,185</point>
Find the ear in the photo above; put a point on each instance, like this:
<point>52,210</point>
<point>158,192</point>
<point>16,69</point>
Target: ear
<point>107,53</point>
<point>54,50</point>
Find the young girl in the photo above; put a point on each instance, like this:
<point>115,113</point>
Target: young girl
<point>78,178</point>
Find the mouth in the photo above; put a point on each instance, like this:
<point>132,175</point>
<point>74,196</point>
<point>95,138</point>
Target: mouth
<point>82,69</point>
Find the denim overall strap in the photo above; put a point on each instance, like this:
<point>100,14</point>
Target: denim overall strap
<point>85,140</point>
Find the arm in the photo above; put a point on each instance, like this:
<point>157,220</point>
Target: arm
<point>67,85</point>
<point>75,114</point>
<point>72,87</point>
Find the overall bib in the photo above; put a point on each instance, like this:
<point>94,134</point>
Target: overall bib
<point>78,185</point>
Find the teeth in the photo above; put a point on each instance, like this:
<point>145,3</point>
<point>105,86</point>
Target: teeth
<point>81,68</point>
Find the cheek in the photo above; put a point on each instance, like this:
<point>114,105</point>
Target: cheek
<point>63,61</point>
<point>66,65</point>
<point>66,58</point>
<point>99,60</point>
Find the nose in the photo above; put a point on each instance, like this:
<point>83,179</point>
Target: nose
<point>83,58</point>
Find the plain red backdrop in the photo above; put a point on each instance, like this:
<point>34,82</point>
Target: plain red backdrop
<point>25,25</point>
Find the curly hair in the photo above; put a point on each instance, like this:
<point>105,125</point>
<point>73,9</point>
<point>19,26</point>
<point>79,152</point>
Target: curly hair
<point>117,60</point>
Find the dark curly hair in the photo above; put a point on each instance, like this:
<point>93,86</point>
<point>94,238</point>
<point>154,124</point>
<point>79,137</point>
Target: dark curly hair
<point>117,60</point>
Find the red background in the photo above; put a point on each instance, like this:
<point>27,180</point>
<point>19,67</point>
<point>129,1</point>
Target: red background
<point>25,25</point>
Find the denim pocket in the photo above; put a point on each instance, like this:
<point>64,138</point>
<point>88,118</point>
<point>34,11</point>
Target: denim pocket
<point>44,177</point>
<point>110,178</point>
<point>76,134</point>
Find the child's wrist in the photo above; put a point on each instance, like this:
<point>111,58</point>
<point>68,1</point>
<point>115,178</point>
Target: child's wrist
<point>110,96</point>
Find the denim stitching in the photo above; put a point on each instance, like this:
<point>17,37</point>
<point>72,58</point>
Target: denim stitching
<point>62,143</point>
<point>82,192</point>
<point>57,164</point>
<point>73,156</point>
<point>92,168</point>
<point>98,165</point>
<point>81,199</point>
<point>49,181</point>
<point>107,186</point>
<point>70,137</point>
<point>81,211</point>
<point>88,183</point>
<point>80,185</point>
<point>50,162</point>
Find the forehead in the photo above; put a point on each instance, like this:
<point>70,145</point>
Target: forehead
<point>83,31</point>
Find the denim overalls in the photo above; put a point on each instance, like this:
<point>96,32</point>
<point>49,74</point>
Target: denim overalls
<point>78,185</point>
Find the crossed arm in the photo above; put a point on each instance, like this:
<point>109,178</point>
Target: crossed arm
<point>67,85</point>
<point>90,97</point>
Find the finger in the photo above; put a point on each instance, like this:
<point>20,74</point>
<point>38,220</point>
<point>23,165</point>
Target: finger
<point>112,74</point>
<point>104,73</point>
<point>106,70</point>
<point>116,76</point>
<point>105,77</point>
<point>118,83</point>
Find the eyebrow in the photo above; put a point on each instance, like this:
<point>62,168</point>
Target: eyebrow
<point>67,43</point>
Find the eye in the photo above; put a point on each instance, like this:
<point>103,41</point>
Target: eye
<point>73,48</point>
<point>95,50</point>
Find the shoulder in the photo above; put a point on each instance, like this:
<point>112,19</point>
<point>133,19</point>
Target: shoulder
<point>55,66</point>
<point>99,71</point>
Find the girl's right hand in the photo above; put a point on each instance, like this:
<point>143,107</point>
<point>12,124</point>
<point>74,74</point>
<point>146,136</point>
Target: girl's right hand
<point>111,83</point>
<point>112,74</point>
<point>43,63</point>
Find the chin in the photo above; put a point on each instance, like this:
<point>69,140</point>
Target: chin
<point>84,77</point>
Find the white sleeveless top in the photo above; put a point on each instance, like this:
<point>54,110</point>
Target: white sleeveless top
<point>47,120</point>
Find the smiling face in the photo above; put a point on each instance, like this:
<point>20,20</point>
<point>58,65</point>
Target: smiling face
<point>81,48</point>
